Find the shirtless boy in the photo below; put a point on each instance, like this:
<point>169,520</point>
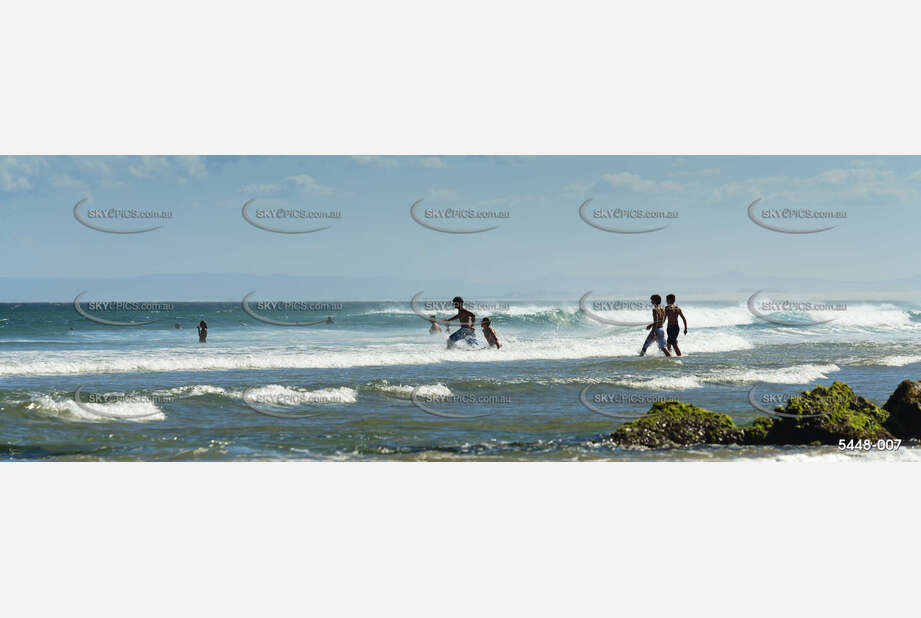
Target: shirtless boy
<point>656,332</point>
<point>467,322</point>
<point>490,334</point>
<point>672,313</point>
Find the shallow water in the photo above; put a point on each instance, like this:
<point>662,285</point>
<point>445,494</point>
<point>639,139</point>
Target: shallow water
<point>375,385</point>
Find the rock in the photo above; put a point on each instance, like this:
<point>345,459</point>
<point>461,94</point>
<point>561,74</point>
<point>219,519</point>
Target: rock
<point>672,423</point>
<point>758,431</point>
<point>904,407</point>
<point>823,415</point>
<point>819,416</point>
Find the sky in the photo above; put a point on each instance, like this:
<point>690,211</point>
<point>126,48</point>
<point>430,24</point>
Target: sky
<point>542,247</point>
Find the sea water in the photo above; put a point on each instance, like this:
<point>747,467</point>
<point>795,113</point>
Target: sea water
<point>374,384</point>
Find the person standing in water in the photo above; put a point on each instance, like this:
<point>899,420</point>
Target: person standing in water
<point>656,332</point>
<point>435,327</point>
<point>467,322</point>
<point>202,332</point>
<point>672,313</point>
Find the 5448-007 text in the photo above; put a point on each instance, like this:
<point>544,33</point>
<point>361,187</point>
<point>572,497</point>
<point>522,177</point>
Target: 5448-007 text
<point>869,445</point>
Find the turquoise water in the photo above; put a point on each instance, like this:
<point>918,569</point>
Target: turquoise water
<point>375,385</point>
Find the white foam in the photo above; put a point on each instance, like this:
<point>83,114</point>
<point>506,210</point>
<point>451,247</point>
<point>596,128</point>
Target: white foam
<point>896,361</point>
<point>851,314</point>
<point>138,409</point>
<point>425,390</point>
<point>528,310</point>
<point>430,352</point>
<point>825,455</point>
<point>479,308</point>
<point>797,374</point>
<point>663,383</point>
<point>870,315</point>
<point>198,390</point>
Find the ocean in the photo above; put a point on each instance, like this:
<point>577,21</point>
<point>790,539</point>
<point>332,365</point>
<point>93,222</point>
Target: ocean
<point>374,384</point>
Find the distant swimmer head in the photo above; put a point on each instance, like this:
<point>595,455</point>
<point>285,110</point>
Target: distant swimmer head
<point>485,322</point>
<point>670,299</point>
<point>656,299</point>
<point>458,301</point>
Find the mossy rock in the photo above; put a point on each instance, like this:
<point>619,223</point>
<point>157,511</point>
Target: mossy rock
<point>759,431</point>
<point>904,407</point>
<point>822,415</point>
<point>669,424</point>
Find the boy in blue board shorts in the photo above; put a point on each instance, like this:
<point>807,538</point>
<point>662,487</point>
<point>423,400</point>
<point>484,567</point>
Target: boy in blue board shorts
<point>467,322</point>
<point>672,313</point>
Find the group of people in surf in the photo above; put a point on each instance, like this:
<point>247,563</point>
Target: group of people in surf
<point>663,329</point>
<point>467,331</point>
<point>660,315</point>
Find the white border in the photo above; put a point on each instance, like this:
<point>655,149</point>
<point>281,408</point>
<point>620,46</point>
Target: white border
<point>456,539</point>
<point>479,77</point>
<point>413,77</point>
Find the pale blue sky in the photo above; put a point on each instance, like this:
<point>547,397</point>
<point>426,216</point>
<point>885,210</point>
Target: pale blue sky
<point>543,238</point>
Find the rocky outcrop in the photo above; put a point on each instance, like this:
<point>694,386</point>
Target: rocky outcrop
<point>823,415</point>
<point>904,407</point>
<point>672,423</point>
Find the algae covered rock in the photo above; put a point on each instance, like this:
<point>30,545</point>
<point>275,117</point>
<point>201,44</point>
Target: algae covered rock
<point>904,407</point>
<point>759,431</point>
<point>672,423</point>
<point>822,415</point>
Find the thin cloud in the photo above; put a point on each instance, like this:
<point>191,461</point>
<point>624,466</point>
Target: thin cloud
<point>263,189</point>
<point>446,195</point>
<point>308,184</point>
<point>432,163</point>
<point>18,173</point>
<point>834,184</point>
<point>375,161</point>
<point>638,184</point>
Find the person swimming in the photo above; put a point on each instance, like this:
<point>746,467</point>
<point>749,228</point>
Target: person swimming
<point>672,313</point>
<point>202,332</point>
<point>467,320</point>
<point>489,333</point>
<point>435,327</point>
<point>656,332</point>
